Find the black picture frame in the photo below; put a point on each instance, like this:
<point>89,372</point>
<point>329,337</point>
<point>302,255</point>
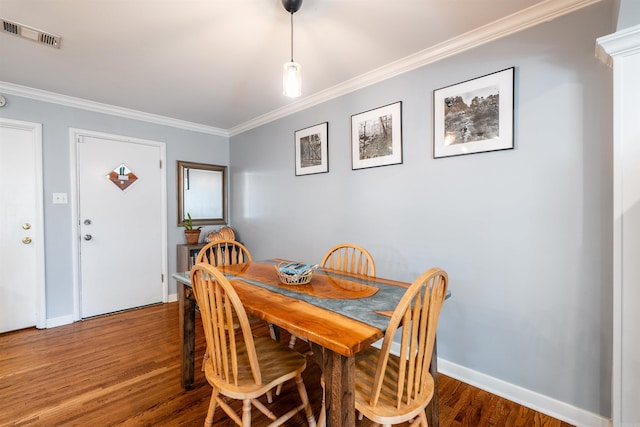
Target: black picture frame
<point>474,116</point>
<point>376,137</point>
<point>312,150</point>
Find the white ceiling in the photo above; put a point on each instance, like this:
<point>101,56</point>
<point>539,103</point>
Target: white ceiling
<point>218,63</point>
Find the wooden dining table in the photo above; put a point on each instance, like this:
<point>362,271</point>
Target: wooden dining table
<point>339,312</point>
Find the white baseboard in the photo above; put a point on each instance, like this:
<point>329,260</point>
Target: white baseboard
<point>65,320</point>
<point>59,321</point>
<point>530,399</point>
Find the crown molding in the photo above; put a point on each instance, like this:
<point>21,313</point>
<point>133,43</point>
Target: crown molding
<point>69,101</point>
<point>621,43</point>
<point>527,18</point>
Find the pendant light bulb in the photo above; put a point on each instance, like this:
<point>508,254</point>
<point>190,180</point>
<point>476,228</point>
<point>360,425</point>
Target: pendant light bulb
<point>292,79</point>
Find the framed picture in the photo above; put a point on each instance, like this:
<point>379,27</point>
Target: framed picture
<point>474,116</point>
<point>312,149</point>
<point>376,137</point>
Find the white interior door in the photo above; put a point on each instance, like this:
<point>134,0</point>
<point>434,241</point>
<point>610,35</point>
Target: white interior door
<point>120,213</point>
<point>21,226</point>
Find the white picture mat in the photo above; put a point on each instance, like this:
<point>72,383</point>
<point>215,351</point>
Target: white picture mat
<point>322,130</point>
<point>395,110</point>
<point>503,80</point>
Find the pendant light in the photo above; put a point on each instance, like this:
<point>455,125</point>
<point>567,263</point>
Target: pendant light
<point>292,76</point>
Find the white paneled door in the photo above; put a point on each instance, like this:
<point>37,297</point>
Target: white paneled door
<point>120,223</point>
<point>21,226</point>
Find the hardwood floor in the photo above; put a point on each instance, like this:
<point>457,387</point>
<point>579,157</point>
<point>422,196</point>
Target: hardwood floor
<point>123,370</point>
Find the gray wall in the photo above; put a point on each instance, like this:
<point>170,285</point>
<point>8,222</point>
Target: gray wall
<point>524,234</point>
<point>56,121</point>
<point>629,14</point>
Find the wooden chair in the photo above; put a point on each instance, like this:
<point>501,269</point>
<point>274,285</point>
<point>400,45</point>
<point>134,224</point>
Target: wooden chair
<point>240,365</point>
<point>223,252</point>
<point>349,258</point>
<point>394,389</point>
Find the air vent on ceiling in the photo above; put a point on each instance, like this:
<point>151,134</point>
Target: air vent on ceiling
<point>30,33</point>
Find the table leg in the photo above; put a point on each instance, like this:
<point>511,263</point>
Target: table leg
<point>187,320</point>
<point>339,374</point>
<point>274,331</point>
<point>433,409</point>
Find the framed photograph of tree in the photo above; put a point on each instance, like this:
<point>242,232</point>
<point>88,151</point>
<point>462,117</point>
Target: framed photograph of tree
<point>312,149</point>
<point>376,137</point>
<point>474,116</point>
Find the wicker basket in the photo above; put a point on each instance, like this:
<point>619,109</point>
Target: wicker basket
<point>225,233</point>
<point>294,279</point>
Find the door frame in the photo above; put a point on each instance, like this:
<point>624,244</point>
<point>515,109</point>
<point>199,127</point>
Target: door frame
<point>36,134</point>
<point>74,137</point>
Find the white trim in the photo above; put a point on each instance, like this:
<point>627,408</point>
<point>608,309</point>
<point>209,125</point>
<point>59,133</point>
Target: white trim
<point>73,205</point>
<point>621,43</point>
<point>612,49</point>
<point>618,235</point>
<point>41,279</point>
<point>172,298</point>
<point>74,135</point>
<point>165,241</point>
<point>59,321</point>
<point>536,401</point>
<point>534,15</point>
<point>70,101</point>
<point>38,230</point>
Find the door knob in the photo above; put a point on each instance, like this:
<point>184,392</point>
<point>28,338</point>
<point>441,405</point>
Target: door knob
<point>26,226</point>
<point>26,240</point>
<point>87,237</point>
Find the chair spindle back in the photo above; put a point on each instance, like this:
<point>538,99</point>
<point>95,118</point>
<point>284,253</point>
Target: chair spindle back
<point>350,258</point>
<point>220,308</point>
<point>417,314</point>
<point>223,252</point>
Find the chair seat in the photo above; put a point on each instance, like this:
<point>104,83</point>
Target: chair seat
<point>386,410</point>
<point>277,364</point>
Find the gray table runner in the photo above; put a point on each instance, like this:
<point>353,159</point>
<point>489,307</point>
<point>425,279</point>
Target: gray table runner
<point>362,309</point>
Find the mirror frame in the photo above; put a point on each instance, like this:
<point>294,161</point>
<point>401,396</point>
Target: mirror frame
<point>182,165</point>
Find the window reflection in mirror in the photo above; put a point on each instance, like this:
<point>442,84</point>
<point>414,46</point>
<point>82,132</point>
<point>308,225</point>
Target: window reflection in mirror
<point>202,192</point>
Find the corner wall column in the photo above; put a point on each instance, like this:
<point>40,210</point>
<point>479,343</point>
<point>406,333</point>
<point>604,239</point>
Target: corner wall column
<point>622,51</point>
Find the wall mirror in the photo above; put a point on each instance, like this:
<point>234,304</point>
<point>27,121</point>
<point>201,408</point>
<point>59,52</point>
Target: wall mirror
<point>202,192</point>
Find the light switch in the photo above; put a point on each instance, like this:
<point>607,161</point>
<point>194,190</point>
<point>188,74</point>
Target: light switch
<point>59,198</point>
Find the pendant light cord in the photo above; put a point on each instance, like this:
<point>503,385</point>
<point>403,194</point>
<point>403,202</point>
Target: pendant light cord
<point>291,36</point>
